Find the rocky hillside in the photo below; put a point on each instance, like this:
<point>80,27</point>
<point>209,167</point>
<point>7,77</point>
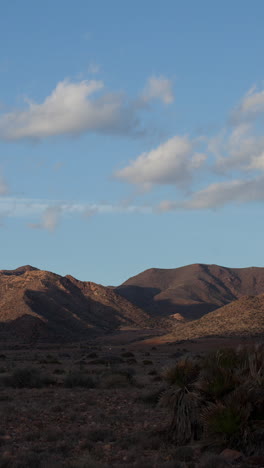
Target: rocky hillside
<point>37,305</point>
<point>191,291</point>
<point>244,317</point>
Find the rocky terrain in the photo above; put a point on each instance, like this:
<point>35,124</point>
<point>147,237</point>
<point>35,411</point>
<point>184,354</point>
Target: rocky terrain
<point>95,406</point>
<point>193,302</point>
<point>88,379</point>
<point>243,317</point>
<point>191,291</point>
<point>38,305</point>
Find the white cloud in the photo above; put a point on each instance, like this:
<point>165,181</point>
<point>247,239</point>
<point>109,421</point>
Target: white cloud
<point>241,150</point>
<point>250,107</point>
<point>218,195</point>
<point>159,88</point>
<point>71,109</point>
<point>51,217</point>
<point>51,212</point>
<point>173,163</point>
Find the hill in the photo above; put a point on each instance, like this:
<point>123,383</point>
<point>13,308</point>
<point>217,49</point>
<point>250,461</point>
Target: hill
<point>37,305</point>
<point>244,317</point>
<point>191,291</point>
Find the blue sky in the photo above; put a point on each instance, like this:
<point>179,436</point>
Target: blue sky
<point>131,135</point>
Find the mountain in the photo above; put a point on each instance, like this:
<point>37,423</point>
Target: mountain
<point>37,305</point>
<point>244,317</point>
<point>191,291</point>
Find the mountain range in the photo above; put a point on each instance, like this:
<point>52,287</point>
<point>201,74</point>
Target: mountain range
<point>37,305</point>
<point>192,301</point>
<point>191,291</point>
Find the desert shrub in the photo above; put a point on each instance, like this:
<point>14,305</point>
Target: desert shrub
<point>23,460</point>
<point>185,406</point>
<point>59,371</point>
<point>114,381</point>
<point>98,362</point>
<point>118,378</point>
<point>49,359</point>
<point>129,373</point>
<point>147,362</point>
<point>156,378</point>
<point>128,354</point>
<point>27,378</point>
<point>226,358</point>
<point>92,355</point>
<point>231,421</point>
<point>5,397</point>
<point>131,361</point>
<point>78,379</point>
<point>100,435</point>
<point>183,373</point>
<point>220,399</point>
<point>215,382</point>
<point>151,397</point>
<point>32,436</point>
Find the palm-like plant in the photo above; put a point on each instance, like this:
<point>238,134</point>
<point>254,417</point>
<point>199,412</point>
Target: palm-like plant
<point>220,398</point>
<point>183,401</point>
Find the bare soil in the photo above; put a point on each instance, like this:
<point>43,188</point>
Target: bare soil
<point>114,424</point>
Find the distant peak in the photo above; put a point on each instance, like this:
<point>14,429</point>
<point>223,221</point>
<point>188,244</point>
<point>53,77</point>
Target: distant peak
<point>20,270</point>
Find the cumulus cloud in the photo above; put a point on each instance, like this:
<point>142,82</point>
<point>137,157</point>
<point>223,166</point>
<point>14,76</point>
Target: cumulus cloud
<point>159,88</point>
<point>219,194</point>
<point>173,163</point>
<point>74,108</point>
<point>71,109</point>
<point>251,106</point>
<point>240,150</point>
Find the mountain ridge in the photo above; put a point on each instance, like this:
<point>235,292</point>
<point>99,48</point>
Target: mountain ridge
<point>60,307</point>
<point>38,305</point>
<point>192,290</point>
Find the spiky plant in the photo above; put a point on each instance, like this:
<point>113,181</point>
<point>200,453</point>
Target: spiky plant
<point>216,382</point>
<point>183,374</point>
<point>228,421</point>
<point>182,401</point>
<point>184,406</point>
<point>226,358</point>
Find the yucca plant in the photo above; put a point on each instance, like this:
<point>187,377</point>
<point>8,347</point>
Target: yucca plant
<point>228,421</point>
<point>183,374</point>
<point>183,401</point>
<point>185,408</point>
<point>220,398</point>
<point>216,382</point>
<point>225,358</point>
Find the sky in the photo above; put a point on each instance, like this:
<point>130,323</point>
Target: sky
<point>131,135</point>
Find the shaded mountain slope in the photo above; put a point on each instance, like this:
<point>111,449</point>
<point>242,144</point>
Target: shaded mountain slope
<point>191,291</point>
<point>244,317</point>
<point>38,305</point>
